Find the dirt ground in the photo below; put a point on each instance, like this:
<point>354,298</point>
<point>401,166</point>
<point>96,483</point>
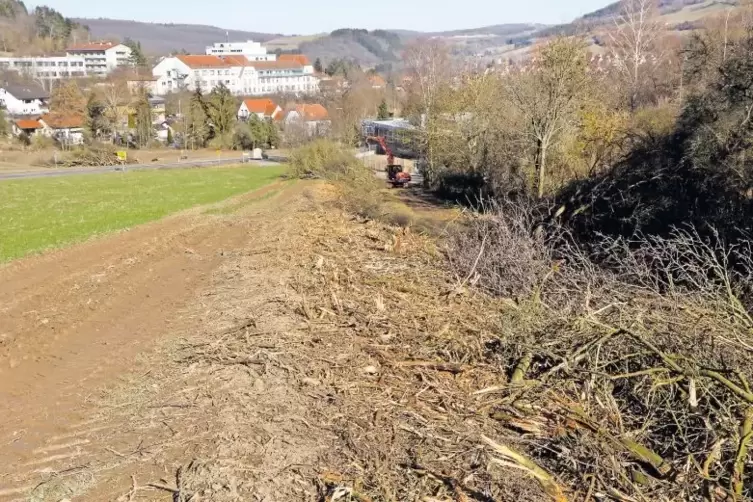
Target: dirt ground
<point>272,348</point>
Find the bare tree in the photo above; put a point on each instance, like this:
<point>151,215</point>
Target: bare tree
<point>430,69</point>
<point>548,95</point>
<point>633,42</point>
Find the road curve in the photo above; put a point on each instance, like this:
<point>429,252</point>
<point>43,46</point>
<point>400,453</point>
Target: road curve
<point>63,171</point>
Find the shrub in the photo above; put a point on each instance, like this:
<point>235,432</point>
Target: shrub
<point>325,159</point>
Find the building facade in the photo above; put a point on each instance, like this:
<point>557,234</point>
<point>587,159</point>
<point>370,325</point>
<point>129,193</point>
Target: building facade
<point>253,51</point>
<point>21,100</point>
<point>95,59</point>
<point>46,68</point>
<point>244,73</point>
<point>101,58</point>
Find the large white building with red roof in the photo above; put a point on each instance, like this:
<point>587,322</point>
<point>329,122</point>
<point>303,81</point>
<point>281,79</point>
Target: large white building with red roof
<point>250,72</point>
<point>101,58</point>
<point>91,59</point>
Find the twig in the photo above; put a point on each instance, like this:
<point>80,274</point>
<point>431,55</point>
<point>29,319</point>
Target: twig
<point>547,481</point>
<point>746,434</point>
<point>447,367</point>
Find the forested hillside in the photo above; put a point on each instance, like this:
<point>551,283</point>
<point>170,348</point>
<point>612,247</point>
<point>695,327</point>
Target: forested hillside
<point>38,31</point>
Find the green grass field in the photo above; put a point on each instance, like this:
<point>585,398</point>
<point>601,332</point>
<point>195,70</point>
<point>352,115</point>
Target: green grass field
<point>37,214</point>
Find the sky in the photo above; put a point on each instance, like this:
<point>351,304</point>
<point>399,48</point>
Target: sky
<point>317,16</point>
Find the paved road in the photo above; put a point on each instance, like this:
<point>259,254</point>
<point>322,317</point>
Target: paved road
<point>66,171</point>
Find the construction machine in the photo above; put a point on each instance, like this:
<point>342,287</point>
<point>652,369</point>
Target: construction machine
<point>395,174</point>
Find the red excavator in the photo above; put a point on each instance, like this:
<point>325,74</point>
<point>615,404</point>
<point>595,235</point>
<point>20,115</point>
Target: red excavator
<point>395,174</point>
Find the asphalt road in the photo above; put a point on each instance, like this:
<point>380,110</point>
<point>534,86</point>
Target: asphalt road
<point>66,171</point>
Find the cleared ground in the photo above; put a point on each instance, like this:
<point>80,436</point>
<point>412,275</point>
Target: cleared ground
<point>37,214</point>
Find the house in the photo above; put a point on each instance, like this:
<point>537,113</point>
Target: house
<point>24,99</point>
<point>244,68</point>
<point>314,118</point>
<point>264,108</point>
<point>136,83</point>
<point>377,81</point>
<point>159,109</point>
<point>101,58</point>
<point>333,85</point>
<point>28,126</point>
<point>67,129</point>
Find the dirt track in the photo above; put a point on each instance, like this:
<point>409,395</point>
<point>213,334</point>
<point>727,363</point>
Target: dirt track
<point>277,350</point>
<point>74,321</point>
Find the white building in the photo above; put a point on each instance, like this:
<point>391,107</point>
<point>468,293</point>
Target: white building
<point>251,72</point>
<point>100,58</point>
<point>253,51</point>
<point>96,59</point>
<point>241,76</point>
<point>263,108</point>
<point>26,99</point>
<point>46,68</point>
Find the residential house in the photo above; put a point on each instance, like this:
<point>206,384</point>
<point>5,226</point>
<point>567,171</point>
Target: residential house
<point>333,85</point>
<point>67,129</point>
<point>377,81</point>
<point>249,72</point>
<point>314,118</point>
<point>24,99</point>
<point>28,126</point>
<point>136,83</point>
<point>264,108</point>
<point>101,58</point>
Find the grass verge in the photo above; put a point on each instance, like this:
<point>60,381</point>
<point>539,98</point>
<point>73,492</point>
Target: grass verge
<point>38,214</point>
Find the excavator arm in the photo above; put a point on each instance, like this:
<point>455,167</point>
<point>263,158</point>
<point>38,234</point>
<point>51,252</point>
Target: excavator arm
<point>387,150</point>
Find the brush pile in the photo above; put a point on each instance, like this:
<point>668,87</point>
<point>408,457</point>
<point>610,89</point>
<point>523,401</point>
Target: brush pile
<point>88,156</point>
<point>631,381</point>
<point>517,374</point>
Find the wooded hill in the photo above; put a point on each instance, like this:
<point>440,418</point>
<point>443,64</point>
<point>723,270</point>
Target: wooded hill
<point>39,31</point>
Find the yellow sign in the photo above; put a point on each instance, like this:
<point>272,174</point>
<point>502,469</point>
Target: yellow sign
<point>122,155</point>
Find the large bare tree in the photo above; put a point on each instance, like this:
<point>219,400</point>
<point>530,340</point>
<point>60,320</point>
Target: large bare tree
<point>429,70</point>
<point>633,42</point>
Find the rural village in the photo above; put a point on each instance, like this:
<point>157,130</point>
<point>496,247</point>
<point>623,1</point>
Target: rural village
<point>417,263</point>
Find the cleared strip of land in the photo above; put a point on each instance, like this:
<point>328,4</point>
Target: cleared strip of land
<point>38,214</point>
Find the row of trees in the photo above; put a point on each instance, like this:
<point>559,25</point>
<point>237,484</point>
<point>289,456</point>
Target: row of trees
<point>562,114</point>
<point>211,120</point>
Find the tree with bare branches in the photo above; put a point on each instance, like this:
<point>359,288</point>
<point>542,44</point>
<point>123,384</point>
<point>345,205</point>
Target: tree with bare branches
<point>547,95</point>
<point>633,42</point>
<point>429,70</point>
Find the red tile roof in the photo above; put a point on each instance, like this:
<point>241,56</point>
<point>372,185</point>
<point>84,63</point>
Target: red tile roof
<point>236,60</point>
<point>312,113</point>
<point>265,106</point>
<point>58,121</point>
<point>294,58</point>
<point>28,124</point>
<point>377,80</point>
<point>92,46</point>
<point>201,61</point>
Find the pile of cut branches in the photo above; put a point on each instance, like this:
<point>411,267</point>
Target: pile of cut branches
<point>633,380</point>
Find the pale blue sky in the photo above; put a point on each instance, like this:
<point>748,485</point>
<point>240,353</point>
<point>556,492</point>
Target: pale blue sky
<point>315,16</point>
